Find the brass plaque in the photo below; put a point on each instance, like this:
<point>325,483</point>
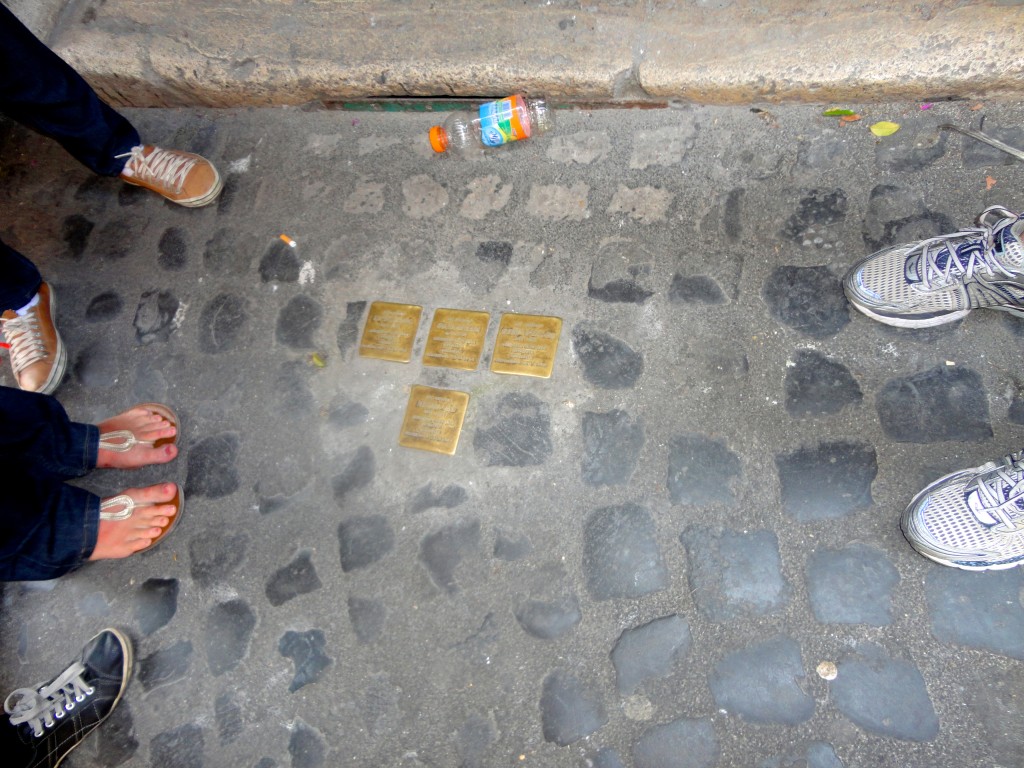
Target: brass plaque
<point>526,345</point>
<point>456,339</point>
<point>433,419</point>
<point>390,331</point>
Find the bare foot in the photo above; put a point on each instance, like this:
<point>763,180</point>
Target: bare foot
<point>148,427</point>
<point>121,538</point>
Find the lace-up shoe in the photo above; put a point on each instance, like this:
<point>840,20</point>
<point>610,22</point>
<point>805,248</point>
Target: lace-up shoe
<point>182,177</point>
<point>971,519</point>
<point>37,353</point>
<point>48,721</point>
<point>941,279</point>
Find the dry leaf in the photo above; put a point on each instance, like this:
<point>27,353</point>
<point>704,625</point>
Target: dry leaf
<point>849,118</point>
<point>989,182</point>
<point>884,128</point>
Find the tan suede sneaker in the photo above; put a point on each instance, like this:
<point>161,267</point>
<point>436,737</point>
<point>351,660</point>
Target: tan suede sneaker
<point>182,177</point>
<point>37,354</point>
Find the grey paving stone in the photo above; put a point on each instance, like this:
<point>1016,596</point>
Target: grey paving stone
<point>97,366</point>
<point>828,481</point>
<point>474,740</point>
<point>898,214</point>
<point>306,650</point>
<point>622,272</point>
<point>298,321</point>
<point>917,145</point>
<point>817,754</point>
<point>306,746</point>
<point>180,747</point>
<point>977,154</point>
<point>155,604</point>
<point>807,299</point>
<point>701,470</point>
<point>448,497</point>
<point>607,758</point>
<point>94,605</point>
<point>379,708</point>
<point>695,289</point>
<point>356,474</point>
<point>363,541</point>
<point>173,250</point>
<point>165,666</point>
<point>279,263</point>
<point>853,585</point>
<point>211,466</point>
<point>683,743</point>
<point>228,715</point>
<point>980,610</point>
<point>734,574</point>
<point>514,432</point>
<point>883,695</point>
<point>611,447</point>
<point>762,683</point>
<point>75,231</point>
<point>156,316</point>
<point>223,324</point>
<point>548,619</point>
<point>943,403</point>
<point>104,306</point>
<point>649,651</point>
<point>442,551</point>
<point>348,329</point>
<point>818,209</point>
<point>368,617</point>
<point>621,557</point>
<point>569,710</point>
<point>215,555</point>
<point>817,385</point>
<point>297,578</point>
<point>291,390</point>
<point>229,627</point>
<point>608,362</point>
<point>510,546</point>
<point>347,414</point>
<point>116,742</point>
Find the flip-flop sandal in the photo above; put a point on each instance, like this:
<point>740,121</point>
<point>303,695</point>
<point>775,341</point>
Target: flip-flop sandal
<point>123,440</point>
<point>125,505</point>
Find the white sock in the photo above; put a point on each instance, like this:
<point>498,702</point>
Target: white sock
<point>24,310</point>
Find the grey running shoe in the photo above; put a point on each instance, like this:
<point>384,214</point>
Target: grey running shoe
<point>44,723</point>
<point>971,519</point>
<point>941,279</point>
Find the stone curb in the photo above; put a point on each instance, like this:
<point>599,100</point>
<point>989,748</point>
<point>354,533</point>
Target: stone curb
<point>172,53</point>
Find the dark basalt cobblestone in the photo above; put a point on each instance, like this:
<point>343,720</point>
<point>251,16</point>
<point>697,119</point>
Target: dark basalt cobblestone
<point>639,562</point>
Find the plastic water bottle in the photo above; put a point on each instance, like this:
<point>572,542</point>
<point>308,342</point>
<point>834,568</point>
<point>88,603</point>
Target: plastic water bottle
<point>496,123</point>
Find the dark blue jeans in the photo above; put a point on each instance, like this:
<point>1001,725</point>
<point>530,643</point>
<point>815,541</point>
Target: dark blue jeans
<point>47,527</point>
<point>40,91</point>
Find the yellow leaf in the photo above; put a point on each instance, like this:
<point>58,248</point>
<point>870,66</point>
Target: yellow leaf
<point>885,128</point>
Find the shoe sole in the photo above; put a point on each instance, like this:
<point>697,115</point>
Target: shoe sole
<point>899,322</point>
<point>126,673</point>
<point>60,366</point>
<point>180,496</point>
<point>197,202</point>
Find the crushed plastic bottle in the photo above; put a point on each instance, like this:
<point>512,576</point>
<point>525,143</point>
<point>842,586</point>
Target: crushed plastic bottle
<point>496,123</point>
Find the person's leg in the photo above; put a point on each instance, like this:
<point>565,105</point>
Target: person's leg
<point>35,432</point>
<point>19,279</point>
<point>41,91</point>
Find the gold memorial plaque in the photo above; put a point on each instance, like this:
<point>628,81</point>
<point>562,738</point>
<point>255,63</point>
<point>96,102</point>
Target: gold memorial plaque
<point>433,419</point>
<point>526,345</point>
<point>390,331</point>
<point>456,339</point>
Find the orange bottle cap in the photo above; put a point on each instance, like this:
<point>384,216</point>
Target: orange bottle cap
<point>438,139</point>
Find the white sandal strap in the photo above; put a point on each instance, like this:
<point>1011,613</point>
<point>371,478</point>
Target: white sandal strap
<point>121,441</point>
<point>124,500</point>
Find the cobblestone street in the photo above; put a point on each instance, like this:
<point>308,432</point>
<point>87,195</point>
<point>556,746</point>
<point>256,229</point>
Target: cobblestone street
<point>681,549</point>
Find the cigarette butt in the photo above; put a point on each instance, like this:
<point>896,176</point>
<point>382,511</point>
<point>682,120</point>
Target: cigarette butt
<point>288,240</point>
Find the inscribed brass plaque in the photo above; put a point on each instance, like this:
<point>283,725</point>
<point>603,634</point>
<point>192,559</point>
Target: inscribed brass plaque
<point>390,331</point>
<point>456,339</point>
<point>433,419</point>
<point>526,345</point>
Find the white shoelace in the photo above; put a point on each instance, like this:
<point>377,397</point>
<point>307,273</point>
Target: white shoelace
<point>42,708</point>
<point>168,169</point>
<point>26,340</point>
<point>997,496</point>
<point>981,254</point>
